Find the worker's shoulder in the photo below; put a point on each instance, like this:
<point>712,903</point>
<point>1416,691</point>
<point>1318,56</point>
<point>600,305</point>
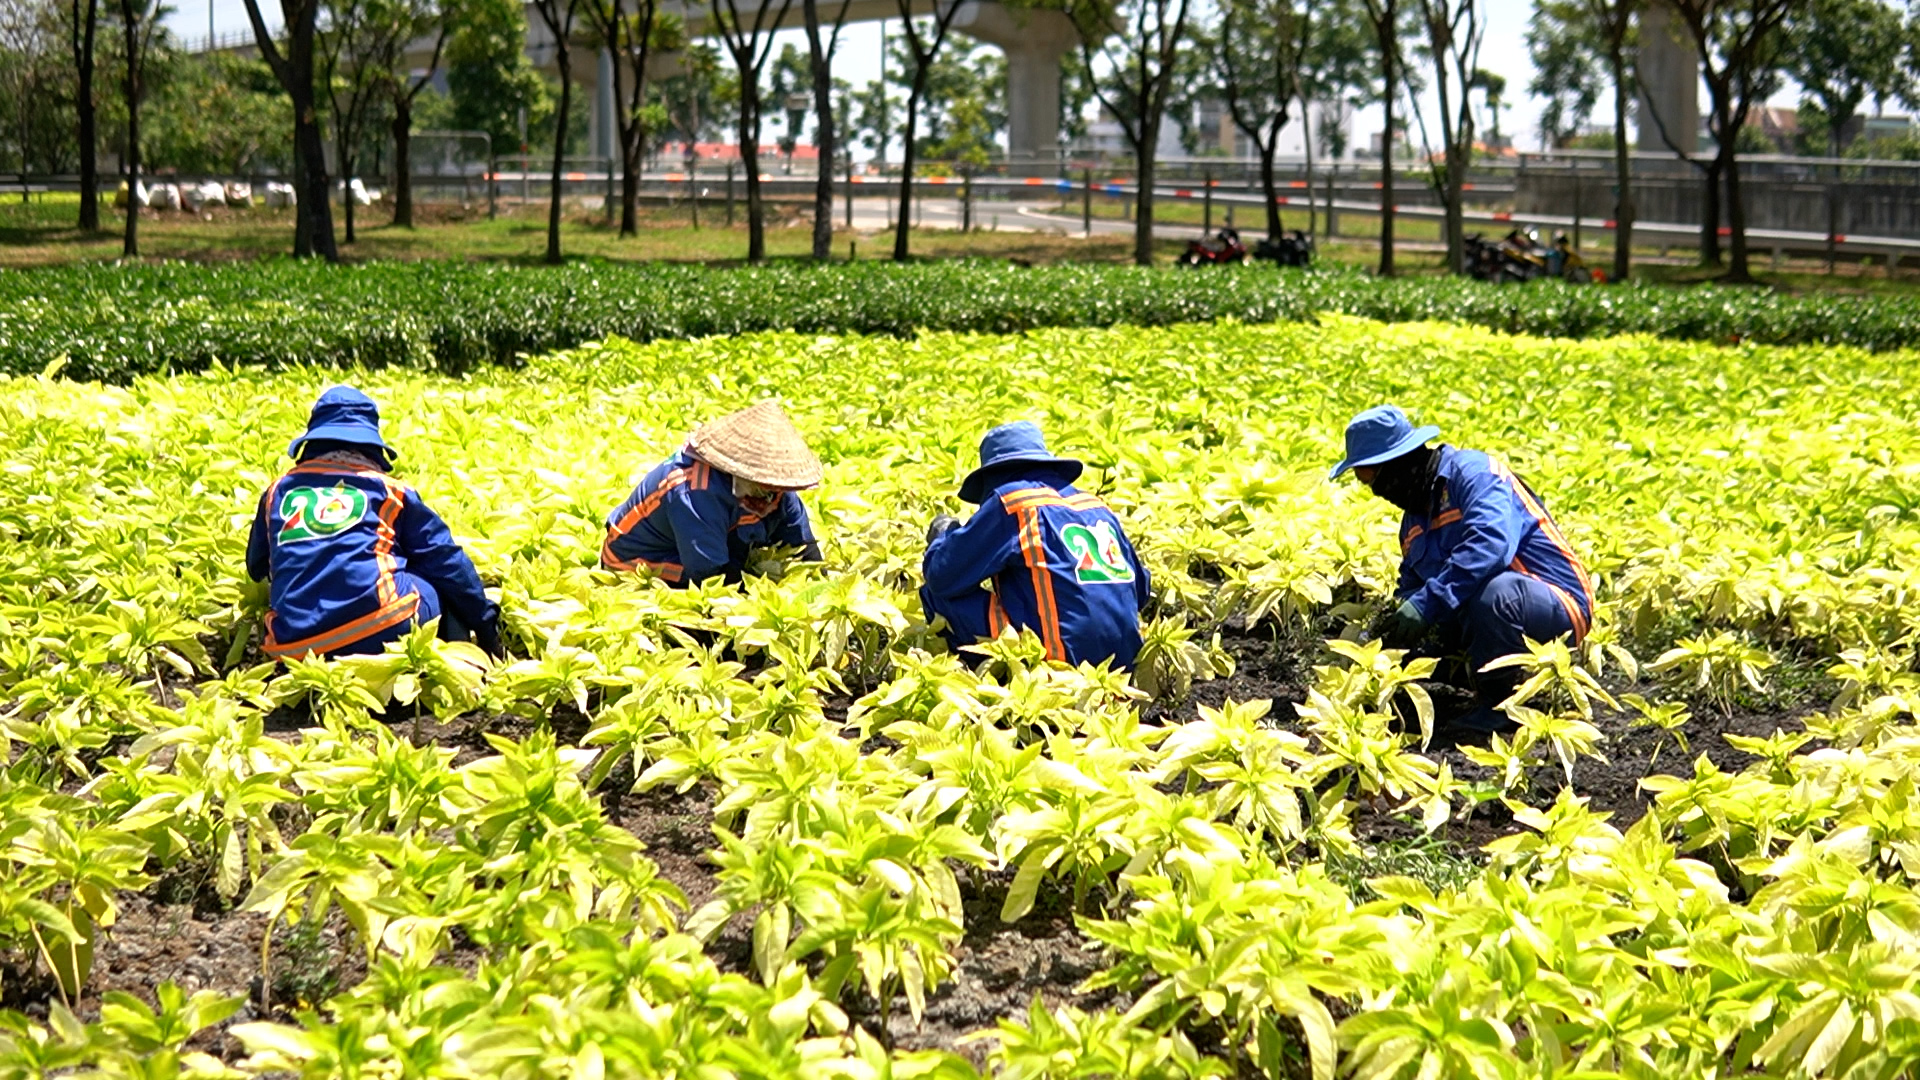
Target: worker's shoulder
<point>1026,495</point>
<point>1461,459</point>
<point>309,473</point>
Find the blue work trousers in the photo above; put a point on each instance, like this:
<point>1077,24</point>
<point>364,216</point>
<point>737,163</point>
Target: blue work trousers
<point>1510,609</point>
<point>967,619</point>
<point>451,628</point>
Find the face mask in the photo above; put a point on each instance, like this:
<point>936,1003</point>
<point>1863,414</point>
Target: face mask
<point>1407,481</point>
<point>757,498</point>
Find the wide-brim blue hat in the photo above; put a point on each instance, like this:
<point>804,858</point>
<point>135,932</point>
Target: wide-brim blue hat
<point>1380,434</point>
<point>342,414</point>
<point>1008,447</point>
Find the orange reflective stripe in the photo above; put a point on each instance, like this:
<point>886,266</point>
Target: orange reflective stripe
<point>1034,549</point>
<point>334,468</point>
<point>381,618</point>
<point>1406,542</point>
<point>1445,519</point>
<point>668,571</point>
<point>384,537</point>
<point>1085,501</point>
<point>1553,533</point>
<point>640,512</point>
<point>996,615</point>
<point>1562,595</point>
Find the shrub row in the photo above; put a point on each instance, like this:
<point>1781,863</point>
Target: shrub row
<point>112,322</point>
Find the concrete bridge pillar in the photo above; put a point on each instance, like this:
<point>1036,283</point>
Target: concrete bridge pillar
<point>1669,82</point>
<point>1034,42</point>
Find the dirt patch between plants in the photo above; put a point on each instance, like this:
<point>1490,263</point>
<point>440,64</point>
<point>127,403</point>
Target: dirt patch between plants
<point>177,931</point>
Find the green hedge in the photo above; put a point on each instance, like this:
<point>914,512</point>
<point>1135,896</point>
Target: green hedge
<point>111,323</point>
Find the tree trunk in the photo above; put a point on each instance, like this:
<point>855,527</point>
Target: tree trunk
<point>1306,145</point>
<point>130,242</point>
<point>82,40</point>
<point>1710,214</point>
<point>1833,204</point>
<point>403,161</point>
<point>626,129</point>
<point>1144,165</point>
<point>906,164</point>
<point>315,195</point>
<point>1737,223</point>
<point>1623,209</point>
<point>1269,186</point>
<point>1386,157</point>
<point>750,158</point>
<point>631,147</point>
<point>346,193</point>
<point>1457,156</point>
<point>822,68</point>
<point>563,56</point>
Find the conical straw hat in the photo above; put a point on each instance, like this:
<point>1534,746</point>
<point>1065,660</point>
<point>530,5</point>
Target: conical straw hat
<point>758,444</point>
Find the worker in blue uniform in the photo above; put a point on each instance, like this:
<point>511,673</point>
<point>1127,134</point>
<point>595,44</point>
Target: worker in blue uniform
<point>1483,565</point>
<point>1056,558</point>
<point>702,512</point>
<point>353,557</point>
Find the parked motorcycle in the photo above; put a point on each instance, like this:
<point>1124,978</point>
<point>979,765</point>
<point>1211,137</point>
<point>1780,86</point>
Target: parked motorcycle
<point>1291,248</point>
<point>1520,256</point>
<point>1221,248</point>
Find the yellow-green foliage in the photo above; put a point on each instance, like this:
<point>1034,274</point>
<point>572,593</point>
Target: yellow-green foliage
<point>1733,503</point>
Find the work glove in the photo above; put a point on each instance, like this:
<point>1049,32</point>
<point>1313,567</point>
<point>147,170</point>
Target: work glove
<point>1402,627</point>
<point>942,525</point>
<point>488,638</point>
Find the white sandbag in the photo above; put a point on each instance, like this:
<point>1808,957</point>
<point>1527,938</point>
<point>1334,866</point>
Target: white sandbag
<point>163,197</point>
<point>279,194</point>
<point>357,191</point>
<point>205,193</point>
<point>239,193</point>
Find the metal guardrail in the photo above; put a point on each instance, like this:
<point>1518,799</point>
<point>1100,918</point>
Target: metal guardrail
<point>597,176</point>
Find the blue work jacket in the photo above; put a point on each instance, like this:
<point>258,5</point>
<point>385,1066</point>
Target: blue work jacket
<point>1484,521</point>
<point>1060,565</point>
<point>340,545</point>
<point>684,522</point>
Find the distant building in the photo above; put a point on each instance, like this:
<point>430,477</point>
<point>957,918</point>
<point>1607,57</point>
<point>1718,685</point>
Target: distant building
<point>724,152</point>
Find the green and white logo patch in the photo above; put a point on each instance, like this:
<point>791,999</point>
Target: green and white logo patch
<point>1097,558</point>
<point>312,513</point>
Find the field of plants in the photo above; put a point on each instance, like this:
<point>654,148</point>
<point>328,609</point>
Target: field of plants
<point>774,830</point>
<point>112,323</point>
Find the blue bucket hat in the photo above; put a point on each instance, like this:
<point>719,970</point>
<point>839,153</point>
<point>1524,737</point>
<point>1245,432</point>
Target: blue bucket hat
<point>342,414</point>
<point>1018,443</point>
<point>1379,434</point>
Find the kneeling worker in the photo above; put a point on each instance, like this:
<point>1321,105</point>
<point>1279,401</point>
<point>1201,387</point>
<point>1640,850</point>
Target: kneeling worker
<point>1482,562</point>
<point>1058,560</point>
<point>731,489</point>
<point>353,557</point>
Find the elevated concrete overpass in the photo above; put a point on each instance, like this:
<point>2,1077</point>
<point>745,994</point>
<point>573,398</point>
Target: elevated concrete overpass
<point>1034,42</point>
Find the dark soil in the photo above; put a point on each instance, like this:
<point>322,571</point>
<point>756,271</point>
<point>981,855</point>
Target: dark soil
<point>177,929</point>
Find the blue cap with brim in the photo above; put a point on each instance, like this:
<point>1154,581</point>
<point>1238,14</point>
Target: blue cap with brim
<point>1380,434</point>
<point>342,414</point>
<point>1006,450</point>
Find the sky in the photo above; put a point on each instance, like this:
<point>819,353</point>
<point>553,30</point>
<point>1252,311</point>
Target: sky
<point>1505,53</point>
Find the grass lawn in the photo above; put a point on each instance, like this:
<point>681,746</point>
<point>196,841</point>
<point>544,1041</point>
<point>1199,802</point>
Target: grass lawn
<point>41,232</point>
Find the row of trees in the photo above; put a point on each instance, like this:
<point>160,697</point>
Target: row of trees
<point>1841,53</point>
<point>348,71</point>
